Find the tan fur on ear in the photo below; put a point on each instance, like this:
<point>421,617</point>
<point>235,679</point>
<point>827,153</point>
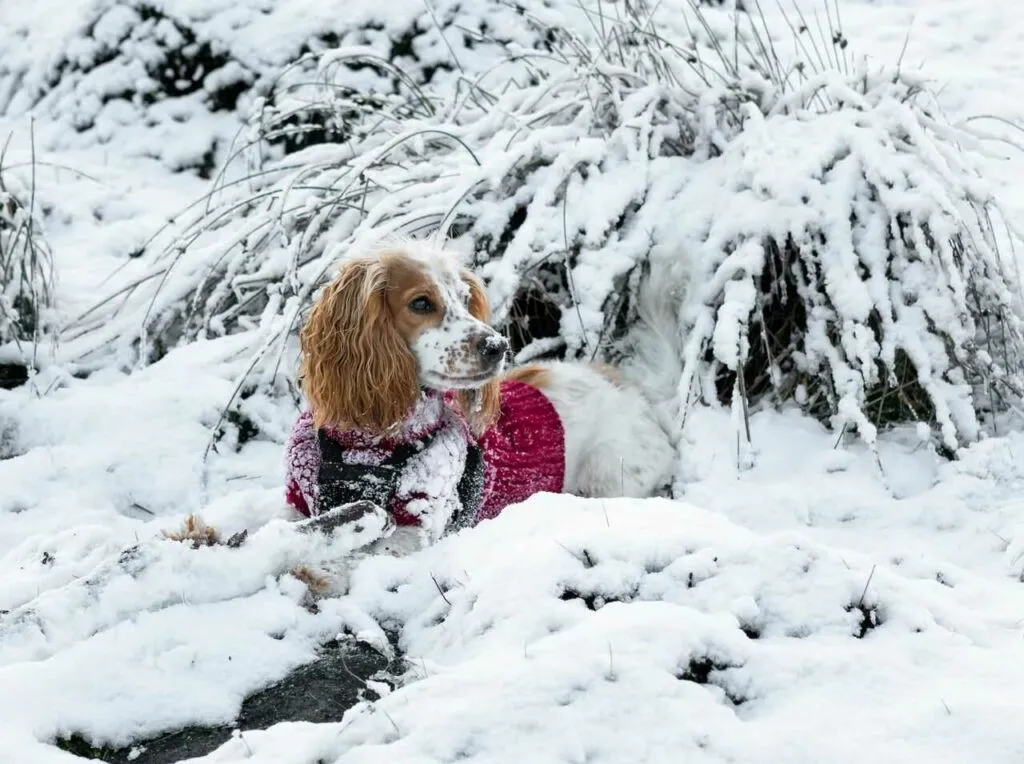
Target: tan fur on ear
<point>356,370</point>
<point>481,406</point>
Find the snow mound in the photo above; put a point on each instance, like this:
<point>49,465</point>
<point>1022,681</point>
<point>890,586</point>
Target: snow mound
<point>725,625</point>
<point>625,630</point>
<point>190,631</point>
<point>570,631</point>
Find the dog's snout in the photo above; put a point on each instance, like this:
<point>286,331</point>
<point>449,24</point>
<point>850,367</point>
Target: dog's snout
<point>491,348</point>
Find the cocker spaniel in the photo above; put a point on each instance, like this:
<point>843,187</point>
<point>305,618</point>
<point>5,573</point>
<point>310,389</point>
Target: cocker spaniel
<point>411,406</point>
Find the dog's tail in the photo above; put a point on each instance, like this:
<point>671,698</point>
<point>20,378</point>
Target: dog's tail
<point>654,346</point>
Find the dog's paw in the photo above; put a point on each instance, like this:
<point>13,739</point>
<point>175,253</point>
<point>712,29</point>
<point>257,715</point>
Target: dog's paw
<point>363,521</point>
<point>321,582</point>
<point>400,542</point>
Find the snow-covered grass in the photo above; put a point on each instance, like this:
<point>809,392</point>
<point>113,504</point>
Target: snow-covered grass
<point>865,274</point>
<point>175,81</point>
<point>823,601</point>
<point>27,288</point>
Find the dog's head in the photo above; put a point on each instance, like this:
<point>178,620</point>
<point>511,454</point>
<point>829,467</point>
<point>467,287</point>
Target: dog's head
<point>392,324</point>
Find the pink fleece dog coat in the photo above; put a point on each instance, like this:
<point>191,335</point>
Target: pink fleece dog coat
<point>432,465</point>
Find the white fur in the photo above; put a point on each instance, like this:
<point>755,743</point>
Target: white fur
<point>654,352</point>
<point>614,443</point>
<point>445,354</point>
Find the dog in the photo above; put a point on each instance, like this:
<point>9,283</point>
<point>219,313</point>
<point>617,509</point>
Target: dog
<point>411,406</point>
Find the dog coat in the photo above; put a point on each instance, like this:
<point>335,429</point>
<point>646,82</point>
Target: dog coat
<point>432,472</point>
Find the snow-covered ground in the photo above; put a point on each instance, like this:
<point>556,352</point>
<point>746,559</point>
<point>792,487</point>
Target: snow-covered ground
<point>821,606</point>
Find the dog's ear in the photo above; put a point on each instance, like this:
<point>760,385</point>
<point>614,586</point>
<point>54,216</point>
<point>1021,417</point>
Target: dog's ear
<point>481,406</point>
<point>356,369</point>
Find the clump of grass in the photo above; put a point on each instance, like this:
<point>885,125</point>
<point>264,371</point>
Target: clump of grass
<point>27,277</point>
<point>195,532</point>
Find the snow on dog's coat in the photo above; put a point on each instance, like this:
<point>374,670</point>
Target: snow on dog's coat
<point>410,405</point>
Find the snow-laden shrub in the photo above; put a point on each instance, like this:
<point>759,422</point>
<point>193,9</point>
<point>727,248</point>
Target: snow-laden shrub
<point>176,79</point>
<point>522,168</point>
<point>26,270</point>
<point>856,270</point>
<point>139,77</point>
<point>375,63</point>
<point>840,244</point>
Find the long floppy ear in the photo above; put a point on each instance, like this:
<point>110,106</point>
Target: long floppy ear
<point>482,405</point>
<point>356,370</point>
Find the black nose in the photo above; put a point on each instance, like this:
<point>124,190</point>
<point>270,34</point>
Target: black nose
<point>491,348</point>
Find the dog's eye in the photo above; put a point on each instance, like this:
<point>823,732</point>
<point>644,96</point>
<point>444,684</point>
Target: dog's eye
<point>421,305</point>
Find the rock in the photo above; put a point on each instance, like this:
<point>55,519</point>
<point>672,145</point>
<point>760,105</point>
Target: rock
<point>319,692</point>
<point>12,375</point>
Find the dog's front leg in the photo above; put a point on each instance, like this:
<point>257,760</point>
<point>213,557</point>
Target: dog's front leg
<point>429,484</point>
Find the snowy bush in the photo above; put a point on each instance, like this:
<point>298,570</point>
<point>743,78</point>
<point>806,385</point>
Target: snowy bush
<point>857,271</point>
<point>841,248</point>
<point>26,270</point>
<point>375,66</point>
<point>515,165</point>
<point>660,607</point>
<point>176,79</point>
<point>134,70</point>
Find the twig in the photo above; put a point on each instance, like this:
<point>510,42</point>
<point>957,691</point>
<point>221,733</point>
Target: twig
<point>867,583</point>
<point>440,590</point>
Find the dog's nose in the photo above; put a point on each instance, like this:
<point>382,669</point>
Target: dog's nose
<point>491,348</point>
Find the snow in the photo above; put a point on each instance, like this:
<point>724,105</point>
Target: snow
<point>809,599</point>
